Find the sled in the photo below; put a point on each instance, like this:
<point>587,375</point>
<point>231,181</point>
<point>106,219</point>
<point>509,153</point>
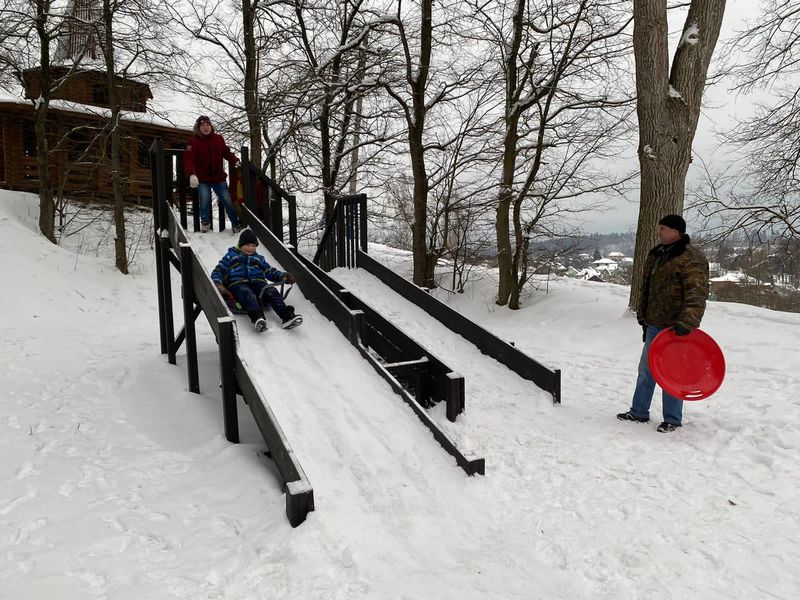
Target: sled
<point>689,367</point>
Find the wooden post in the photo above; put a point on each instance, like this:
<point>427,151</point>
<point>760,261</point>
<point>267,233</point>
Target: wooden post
<point>188,317</point>
<point>293,221</point>
<point>455,395</point>
<point>157,174</point>
<point>166,285</point>
<point>362,213</point>
<point>358,326</point>
<point>341,236</point>
<point>181,179</point>
<point>422,391</point>
<point>247,183</point>
<point>227,348</point>
<point>276,213</point>
<point>556,391</point>
<point>221,210</point>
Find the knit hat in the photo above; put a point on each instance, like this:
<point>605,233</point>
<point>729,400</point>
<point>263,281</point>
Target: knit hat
<point>200,120</point>
<point>247,237</point>
<point>674,222</point>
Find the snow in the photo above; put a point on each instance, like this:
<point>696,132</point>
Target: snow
<point>691,35</point>
<point>733,276</point>
<point>148,118</point>
<point>648,150</point>
<point>673,93</point>
<point>118,482</point>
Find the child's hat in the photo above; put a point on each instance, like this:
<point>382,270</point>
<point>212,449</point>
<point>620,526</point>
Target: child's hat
<point>247,237</point>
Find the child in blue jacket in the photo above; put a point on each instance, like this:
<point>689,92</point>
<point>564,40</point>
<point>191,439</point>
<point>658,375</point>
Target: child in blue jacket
<point>242,276</point>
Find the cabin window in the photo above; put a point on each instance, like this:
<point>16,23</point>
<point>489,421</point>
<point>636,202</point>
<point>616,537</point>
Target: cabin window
<point>143,151</point>
<point>28,139</point>
<point>100,95</point>
<point>2,151</point>
<point>78,142</point>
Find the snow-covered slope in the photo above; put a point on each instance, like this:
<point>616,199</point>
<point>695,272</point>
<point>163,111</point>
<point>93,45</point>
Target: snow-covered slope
<point>118,483</point>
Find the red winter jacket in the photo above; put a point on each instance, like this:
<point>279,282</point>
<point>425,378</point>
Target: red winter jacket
<point>203,157</point>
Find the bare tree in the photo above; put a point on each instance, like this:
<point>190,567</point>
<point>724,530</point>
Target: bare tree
<point>429,88</point>
<point>560,113</point>
<point>330,66</point>
<point>668,108</point>
<point>28,32</point>
<point>134,45</point>
<point>760,193</point>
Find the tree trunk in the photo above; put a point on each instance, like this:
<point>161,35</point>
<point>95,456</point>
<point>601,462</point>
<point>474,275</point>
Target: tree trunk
<point>423,265</point>
<point>325,141</point>
<point>668,108</point>
<point>47,212</point>
<point>507,280</point>
<point>120,237</point>
<point>424,262</point>
<point>251,106</point>
<point>47,209</point>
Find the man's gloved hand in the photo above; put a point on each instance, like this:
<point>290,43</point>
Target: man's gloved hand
<point>237,164</point>
<point>289,278</point>
<point>681,330</point>
<point>193,181</point>
<point>644,331</point>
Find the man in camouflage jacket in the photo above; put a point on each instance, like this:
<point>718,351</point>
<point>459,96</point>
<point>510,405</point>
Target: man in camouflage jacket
<point>674,294</point>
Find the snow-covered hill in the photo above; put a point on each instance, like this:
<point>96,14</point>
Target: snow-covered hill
<point>118,483</point>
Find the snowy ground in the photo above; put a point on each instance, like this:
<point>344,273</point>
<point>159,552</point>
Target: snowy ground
<point>118,483</point>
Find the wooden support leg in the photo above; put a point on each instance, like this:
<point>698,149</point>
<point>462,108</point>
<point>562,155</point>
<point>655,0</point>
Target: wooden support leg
<point>227,348</point>
<point>188,318</point>
<point>455,395</point>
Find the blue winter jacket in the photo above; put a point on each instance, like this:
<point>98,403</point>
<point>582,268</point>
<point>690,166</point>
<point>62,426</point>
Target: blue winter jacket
<point>236,267</point>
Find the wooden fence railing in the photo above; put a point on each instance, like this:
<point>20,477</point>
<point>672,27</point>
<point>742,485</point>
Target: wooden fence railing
<point>344,234</point>
<point>200,296</point>
<point>428,377</point>
<point>344,244</point>
<point>488,343</point>
<point>361,325</point>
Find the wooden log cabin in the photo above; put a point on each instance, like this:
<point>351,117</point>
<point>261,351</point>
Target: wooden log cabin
<point>78,137</point>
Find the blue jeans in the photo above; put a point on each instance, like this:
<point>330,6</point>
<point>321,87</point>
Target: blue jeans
<point>223,195</point>
<point>672,407</point>
<point>254,294</point>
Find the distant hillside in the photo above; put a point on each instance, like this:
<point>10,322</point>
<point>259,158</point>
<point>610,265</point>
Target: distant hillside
<point>603,242</point>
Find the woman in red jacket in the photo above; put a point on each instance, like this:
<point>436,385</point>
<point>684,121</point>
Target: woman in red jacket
<point>202,162</point>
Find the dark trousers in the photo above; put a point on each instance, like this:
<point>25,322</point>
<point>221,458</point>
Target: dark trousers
<point>253,295</point>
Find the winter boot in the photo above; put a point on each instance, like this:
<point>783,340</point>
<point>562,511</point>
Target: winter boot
<point>667,427</point>
<point>629,416</point>
<point>204,227</point>
<point>261,325</point>
<point>290,319</point>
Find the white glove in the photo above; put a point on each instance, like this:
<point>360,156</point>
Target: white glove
<point>193,181</point>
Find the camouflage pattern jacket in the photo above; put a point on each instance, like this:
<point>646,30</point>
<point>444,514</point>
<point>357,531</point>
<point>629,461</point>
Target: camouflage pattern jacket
<point>675,286</point>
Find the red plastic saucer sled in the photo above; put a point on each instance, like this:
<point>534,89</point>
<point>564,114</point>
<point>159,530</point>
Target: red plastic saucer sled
<point>689,367</point>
